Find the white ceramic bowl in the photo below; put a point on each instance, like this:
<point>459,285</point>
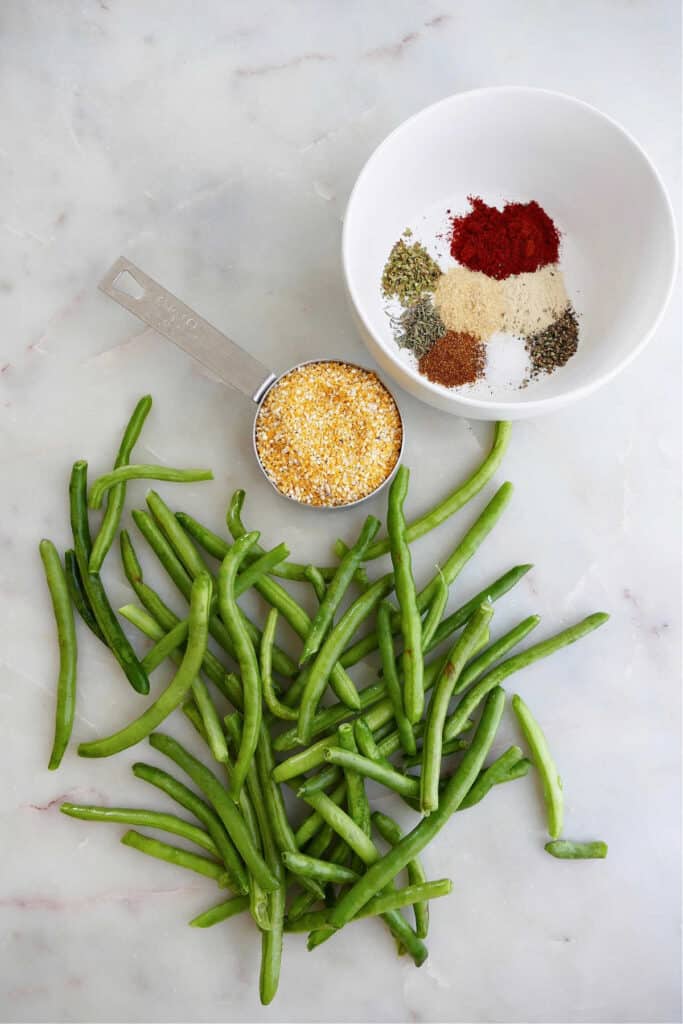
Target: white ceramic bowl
<point>619,242</point>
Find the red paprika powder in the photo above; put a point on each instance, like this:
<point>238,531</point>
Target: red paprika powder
<point>518,239</point>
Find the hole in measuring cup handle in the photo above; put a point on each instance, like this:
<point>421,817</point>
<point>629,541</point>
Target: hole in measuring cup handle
<point>127,284</point>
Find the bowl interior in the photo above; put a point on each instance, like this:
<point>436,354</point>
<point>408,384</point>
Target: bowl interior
<point>618,242</point>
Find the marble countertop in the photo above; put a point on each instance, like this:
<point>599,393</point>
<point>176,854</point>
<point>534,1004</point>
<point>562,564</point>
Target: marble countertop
<point>215,144</point>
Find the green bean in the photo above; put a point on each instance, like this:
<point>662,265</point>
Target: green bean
<point>478,666</point>
<point>179,792</point>
<point>181,544</point>
<point>435,613</point>
<point>271,941</point>
<point>320,842</point>
<point>117,496</point>
<point>174,567</point>
<point>174,694</point>
<point>393,899</point>
<point>221,912</point>
<point>458,618</point>
<point>211,720</point>
<point>365,739</point>
<point>357,800</point>
<point>147,819</point>
<point>222,804</point>
<point>409,616</point>
<point>468,546</point>
<point>332,647</point>
<point>337,588</point>
<point>275,706</point>
<point>174,855</point>
<point>534,653</point>
<point>352,834</point>
<point>300,905</point>
<point>376,770</point>
<point>68,651</point>
<point>452,747</point>
<point>386,647</point>
<point>165,645</point>
<point>324,779</point>
<point>321,870</point>
<point>492,776</point>
<point>454,501</point>
<point>301,762</point>
<point>567,849</point>
<point>313,823</point>
<point>542,758</point>
<point>143,471</point>
<point>260,567</point>
<point>387,867</point>
<point>286,570</point>
<point>475,630</point>
<point>97,598</point>
<point>246,657</point>
<point>391,833</point>
<point>78,595</point>
<point>317,581</point>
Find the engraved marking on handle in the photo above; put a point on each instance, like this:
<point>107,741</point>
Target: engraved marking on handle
<point>188,330</point>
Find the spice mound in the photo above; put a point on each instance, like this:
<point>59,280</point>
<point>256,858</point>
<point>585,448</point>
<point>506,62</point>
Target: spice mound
<point>328,434</point>
<point>454,360</point>
<point>518,239</point>
<point>409,272</point>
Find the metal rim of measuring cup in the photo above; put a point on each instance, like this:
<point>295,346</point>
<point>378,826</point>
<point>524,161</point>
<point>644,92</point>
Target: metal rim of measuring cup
<point>350,504</point>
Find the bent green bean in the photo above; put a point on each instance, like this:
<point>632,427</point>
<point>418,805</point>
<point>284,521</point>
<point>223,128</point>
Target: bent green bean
<point>496,773</point>
<point>200,602</point>
<point>376,770</point>
<point>147,819</point>
<point>275,706</point>
<point>143,471</point>
<point>174,855</point>
<point>68,651</point>
<point>454,501</point>
<point>117,495</point>
<point>542,758</point>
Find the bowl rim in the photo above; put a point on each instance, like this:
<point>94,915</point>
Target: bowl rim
<point>540,405</point>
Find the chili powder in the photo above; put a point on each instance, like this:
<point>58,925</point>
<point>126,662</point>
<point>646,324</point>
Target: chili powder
<point>454,359</point>
<point>518,239</point>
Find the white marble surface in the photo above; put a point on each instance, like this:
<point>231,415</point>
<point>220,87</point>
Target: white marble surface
<point>216,145</point>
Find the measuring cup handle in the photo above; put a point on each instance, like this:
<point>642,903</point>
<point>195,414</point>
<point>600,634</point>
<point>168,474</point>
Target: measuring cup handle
<point>140,294</point>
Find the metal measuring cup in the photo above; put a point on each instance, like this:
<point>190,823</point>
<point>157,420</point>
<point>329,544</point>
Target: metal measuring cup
<point>150,302</point>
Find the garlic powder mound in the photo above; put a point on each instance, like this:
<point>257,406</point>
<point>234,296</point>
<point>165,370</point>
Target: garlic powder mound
<point>470,302</point>
<point>533,301</point>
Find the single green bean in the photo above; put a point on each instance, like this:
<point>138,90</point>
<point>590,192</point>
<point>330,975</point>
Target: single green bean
<point>222,804</point>
<point>567,849</point>
<point>321,842</point>
<point>391,833</point>
<point>260,567</point>
<point>313,823</point>
<point>246,657</point>
<point>275,706</point>
<point>174,855</point>
<point>317,581</point>
<point>143,471</point>
<point>97,598</point>
<point>454,501</point>
<point>391,680</point>
<point>542,758</point>
<point>435,613</point>
<point>479,665</point>
<point>177,689</point>
<point>458,618</point>
<point>68,651</point>
<point>357,800</point>
<point>352,834</point>
<point>492,776</point>
<point>79,598</point>
<point>321,870</point>
<point>324,779</point>
<point>147,819</point>
<point>271,940</point>
<point>475,630</point>
<point>452,747</point>
<point>337,588</point>
<point>409,616</point>
<point>536,652</point>
<point>404,785</point>
<point>165,645</point>
<point>393,899</point>
<point>211,720</point>
<point>221,912</point>
<point>179,792</point>
<point>364,734</point>
<point>332,647</point>
<point>381,873</point>
<point>181,544</point>
<point>117,495</point>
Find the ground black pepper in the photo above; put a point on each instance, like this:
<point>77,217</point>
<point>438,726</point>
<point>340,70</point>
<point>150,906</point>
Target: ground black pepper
<point>554,346</point>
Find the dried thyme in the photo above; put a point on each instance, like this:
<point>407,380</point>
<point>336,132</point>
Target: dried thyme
<point>418,327</point>
<point>409,272</point>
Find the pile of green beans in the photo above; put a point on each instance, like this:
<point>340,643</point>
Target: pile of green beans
<point>261,716</point>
